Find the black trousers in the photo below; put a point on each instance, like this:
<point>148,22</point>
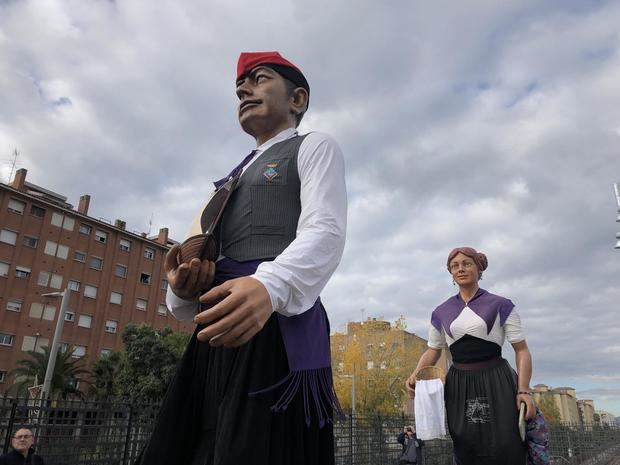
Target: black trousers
<point>208,418</point>
<point>483,417</point>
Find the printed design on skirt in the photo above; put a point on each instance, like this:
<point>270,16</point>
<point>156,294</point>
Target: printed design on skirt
<point>477,410</point>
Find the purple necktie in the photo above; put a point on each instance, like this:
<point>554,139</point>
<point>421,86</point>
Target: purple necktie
<point>236,170</point>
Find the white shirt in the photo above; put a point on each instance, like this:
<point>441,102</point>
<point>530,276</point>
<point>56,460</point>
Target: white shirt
<point>468,322</point>
<point>297,276</point>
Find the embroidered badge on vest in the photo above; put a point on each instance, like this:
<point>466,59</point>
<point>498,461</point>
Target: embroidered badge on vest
<point>270,173</point>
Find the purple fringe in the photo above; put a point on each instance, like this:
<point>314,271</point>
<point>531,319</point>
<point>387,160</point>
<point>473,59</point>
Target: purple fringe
<point>317,388</point>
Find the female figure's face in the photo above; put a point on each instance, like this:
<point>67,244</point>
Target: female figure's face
<point>464,270</point>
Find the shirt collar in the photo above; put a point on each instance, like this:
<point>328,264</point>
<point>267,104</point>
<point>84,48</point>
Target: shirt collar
<point>284,135</point>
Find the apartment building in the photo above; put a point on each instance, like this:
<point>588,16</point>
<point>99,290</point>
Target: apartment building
<point>113,276</point>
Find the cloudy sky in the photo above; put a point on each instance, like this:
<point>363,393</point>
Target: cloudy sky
<point>483,123</point>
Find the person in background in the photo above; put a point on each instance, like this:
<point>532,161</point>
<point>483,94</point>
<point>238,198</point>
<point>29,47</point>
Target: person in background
<point>23,451</point>
<point>412,446</point>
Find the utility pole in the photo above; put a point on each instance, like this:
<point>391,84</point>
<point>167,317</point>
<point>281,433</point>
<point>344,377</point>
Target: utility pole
<point>617,192</point>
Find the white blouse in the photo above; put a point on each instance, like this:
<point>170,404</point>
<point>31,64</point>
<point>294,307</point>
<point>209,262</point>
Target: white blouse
<point>468,322</point>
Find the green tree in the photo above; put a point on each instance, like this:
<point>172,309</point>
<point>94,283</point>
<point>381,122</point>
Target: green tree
<point>376,356</point>
<point>107,373</point>
<point>151,356</point>
<point>67,373</point>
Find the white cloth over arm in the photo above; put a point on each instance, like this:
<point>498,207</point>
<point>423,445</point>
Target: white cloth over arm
<point>429,409</point>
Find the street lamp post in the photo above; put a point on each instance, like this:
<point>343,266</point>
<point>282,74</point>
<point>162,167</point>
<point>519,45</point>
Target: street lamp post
<point>51,363</point>
<point>617,192</point>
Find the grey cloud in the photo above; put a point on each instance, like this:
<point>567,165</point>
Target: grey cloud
<point>487,124</point>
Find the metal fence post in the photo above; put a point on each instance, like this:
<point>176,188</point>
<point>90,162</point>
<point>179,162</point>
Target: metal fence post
<point>9,428</point>
<point>351,435</point>
<point>128,435</point>
<point>380,438</point>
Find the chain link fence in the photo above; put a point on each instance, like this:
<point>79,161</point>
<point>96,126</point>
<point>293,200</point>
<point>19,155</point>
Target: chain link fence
<point>105,433</point>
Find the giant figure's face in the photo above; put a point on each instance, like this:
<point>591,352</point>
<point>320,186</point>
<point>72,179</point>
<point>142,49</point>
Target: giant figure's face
<point>266,106</point>
<point>464,270</point>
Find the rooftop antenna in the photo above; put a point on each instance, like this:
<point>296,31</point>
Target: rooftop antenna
<point>15,155</point>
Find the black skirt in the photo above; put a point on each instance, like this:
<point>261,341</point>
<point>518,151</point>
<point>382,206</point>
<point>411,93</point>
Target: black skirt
<point>482,415</point>
<point>208,418</point>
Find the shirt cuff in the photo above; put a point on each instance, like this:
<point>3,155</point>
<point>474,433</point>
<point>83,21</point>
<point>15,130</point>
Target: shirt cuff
<point>181,309</point>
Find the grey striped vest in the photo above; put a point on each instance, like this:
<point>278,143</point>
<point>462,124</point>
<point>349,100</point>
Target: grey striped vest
<point>261,217</point>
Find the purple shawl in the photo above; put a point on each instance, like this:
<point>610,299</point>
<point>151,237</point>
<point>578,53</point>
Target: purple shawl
<point>484,304</point>
<point>306,341</point>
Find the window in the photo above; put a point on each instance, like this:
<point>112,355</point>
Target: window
<point>34,343</point>
<point>8,237</point>
<point>90,291</point>
<point>149,253</point>
<point>30,241</point>
<point>79,256</point>
<point>4,269</point>
<point>164,284</point>
<point>22,272</point>
<point>145,278</point>
<point>105,353</point>
<point>44,278</point>
<point>50,248</point>
<point>125,245</point>
<point>110,326</point>
<point>162,309</point>
<point>96,263</point>
<point>85,229</point>
<point>69,316</point>
<point>16,206</point>
<point>73,285</point>
<point>14,306</point>
<point>120,271</point>
<point>101,236</point>
<point>63,221</point>
<point>37,211</point>
<point>116,298</point>
<point>370,365</point>
<point>141,304</point>
<point>42,312</point>
<point>85,321</point>
<point>58,250</point>
<point>2,376</point>
<point>68,223</point>
<point>63,347</point>
<point>6,339</point>
<point>57,219</point>
<point>56,281</point>
<point>78,351</point>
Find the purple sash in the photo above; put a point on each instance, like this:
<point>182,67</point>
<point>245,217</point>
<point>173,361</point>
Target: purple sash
<point>484,304</point>
<point>306,341</point>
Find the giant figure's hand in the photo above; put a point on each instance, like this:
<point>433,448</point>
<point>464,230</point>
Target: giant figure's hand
<point>530,405</point>
<point>243,308</point>
<point>188,280</point>
<point>410,385</point>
